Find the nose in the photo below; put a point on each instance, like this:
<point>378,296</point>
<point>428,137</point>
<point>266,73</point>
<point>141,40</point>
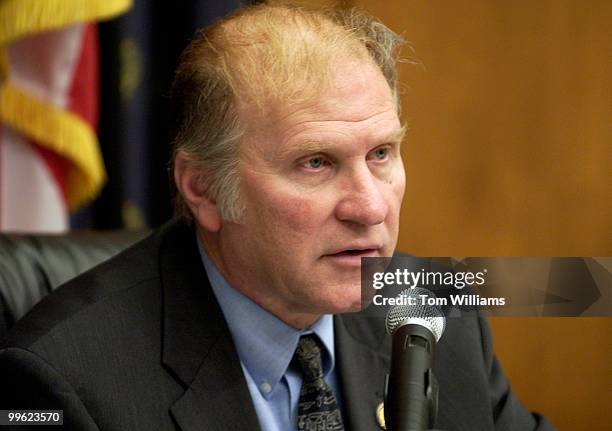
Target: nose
<point>363,201</point>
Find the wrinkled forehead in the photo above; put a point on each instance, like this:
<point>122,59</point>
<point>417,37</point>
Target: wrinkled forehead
<point>340,98</point>
<point>355,110</point>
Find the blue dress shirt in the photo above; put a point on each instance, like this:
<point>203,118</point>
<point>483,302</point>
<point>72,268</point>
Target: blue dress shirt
<point>265,346</point>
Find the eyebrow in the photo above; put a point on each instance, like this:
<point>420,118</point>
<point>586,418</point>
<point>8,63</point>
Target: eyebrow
<point>395,137</point>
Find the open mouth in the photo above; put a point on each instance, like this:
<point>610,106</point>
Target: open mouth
<point>353,255</point>
<point>354,252</point>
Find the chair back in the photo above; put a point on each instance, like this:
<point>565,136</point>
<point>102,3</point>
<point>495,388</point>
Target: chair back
<point>33,265</point>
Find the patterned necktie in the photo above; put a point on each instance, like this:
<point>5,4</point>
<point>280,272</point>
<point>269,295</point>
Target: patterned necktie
<point>318,409</point>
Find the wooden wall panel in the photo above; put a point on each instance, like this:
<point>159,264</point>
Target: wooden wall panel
<point>510,153</point>
<point>559,367</point>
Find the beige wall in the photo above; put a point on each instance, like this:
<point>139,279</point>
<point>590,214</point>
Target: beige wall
<point>510,153</point>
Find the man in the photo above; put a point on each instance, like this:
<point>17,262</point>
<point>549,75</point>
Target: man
<point>244,314</point>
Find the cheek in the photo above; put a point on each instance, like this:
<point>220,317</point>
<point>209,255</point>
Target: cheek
<point>289,214</point>
<point>397,186</point>
<point>400,185</point>
<point>294,213</point>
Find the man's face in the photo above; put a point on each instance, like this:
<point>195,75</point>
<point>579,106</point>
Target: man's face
<point>322,183</point>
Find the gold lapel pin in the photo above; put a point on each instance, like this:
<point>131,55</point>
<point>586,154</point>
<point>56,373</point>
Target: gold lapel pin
<point>380,416</point>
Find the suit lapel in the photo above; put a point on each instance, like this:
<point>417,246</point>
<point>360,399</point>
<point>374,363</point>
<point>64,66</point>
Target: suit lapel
<point>217,401</point>
<point>197,346</point>
<point>362,368</point>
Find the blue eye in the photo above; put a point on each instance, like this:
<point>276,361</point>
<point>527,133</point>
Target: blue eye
<point>315,162</point>
<point>381,153</point>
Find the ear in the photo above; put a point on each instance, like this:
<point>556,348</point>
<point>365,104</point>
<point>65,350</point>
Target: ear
<point>189,182</point>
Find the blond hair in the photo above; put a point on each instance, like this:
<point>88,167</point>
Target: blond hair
<point>258,59</point>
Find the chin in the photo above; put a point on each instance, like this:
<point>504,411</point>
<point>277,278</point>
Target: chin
<point>343,305</point>
<point>339,296</point>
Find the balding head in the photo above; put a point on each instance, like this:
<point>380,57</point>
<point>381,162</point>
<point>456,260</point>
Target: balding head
<point>259,61</point>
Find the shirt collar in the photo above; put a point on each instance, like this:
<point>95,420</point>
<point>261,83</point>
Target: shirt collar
<point>264,343</point>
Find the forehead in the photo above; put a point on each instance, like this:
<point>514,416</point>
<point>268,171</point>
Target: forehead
<point>356,89</point>
<point>357,104</point>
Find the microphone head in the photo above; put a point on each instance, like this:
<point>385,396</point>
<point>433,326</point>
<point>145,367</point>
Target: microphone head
<point>428,316</point>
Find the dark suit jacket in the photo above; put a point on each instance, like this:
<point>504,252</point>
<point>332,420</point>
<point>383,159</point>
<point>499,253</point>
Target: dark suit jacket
<point>140,343</point>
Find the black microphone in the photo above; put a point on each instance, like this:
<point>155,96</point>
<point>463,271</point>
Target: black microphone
<point>411,390</point>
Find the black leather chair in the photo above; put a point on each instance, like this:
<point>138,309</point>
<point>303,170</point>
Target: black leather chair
<point>31,266</point>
